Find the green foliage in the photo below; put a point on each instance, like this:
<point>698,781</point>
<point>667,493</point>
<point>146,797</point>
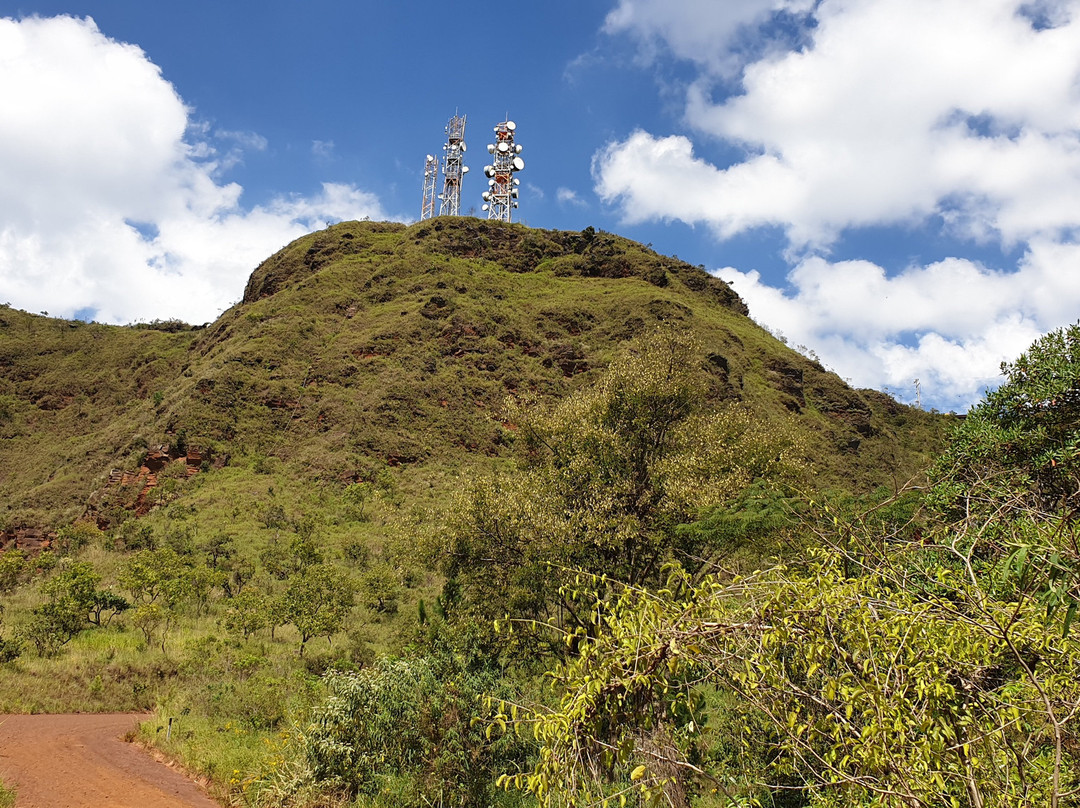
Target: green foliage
<point>9,649</point>
<point>317,601</point>
<point>1024,436</point>
<point>896,666</point>
<point>1012,472</point>
<point>74,537</point>
<point>13,570</point>
<point>414,719</point>
<point>610,472</point>
<point>75,589</point>
<point>246,613</point>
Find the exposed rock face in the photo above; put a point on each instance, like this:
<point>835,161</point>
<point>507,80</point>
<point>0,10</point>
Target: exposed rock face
<point>28,539</point>
<point>158,458</point>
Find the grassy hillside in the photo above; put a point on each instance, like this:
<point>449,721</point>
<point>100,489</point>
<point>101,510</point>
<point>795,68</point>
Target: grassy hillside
<point>369,346</point>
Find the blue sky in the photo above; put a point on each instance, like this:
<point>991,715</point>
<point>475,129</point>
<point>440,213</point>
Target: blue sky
<point>892,184</point>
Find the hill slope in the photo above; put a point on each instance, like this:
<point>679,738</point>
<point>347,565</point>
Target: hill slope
<point>369,346</point>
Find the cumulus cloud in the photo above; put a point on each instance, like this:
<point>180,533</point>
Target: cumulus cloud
<point>957,114</point>
<point>702,31</point>
<point>949,323</point>
<point>111,200</point>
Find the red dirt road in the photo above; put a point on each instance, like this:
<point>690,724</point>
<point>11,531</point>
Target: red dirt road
<point>82,761</point>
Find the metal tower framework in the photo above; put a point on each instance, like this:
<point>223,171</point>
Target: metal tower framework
<point>454,169</point>
<point>501,197</point>
<point>431,178</point>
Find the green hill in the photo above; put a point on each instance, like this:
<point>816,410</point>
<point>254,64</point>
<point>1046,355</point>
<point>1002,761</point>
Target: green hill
<point>369,347</point>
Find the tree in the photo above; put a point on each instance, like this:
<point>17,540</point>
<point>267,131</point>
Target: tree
<point>411,719</point>
<point>160,583</point>
<point>1012,472</point>
<point>13,569</point>
<point>247,612</point>
<point>317,601</point>
<point>75,588</point>
<point>607,474</point>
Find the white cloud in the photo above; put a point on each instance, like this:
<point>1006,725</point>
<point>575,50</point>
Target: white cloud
<point>323,149</point>
<point>111,198</point>
<point>897,113</point>
<point>899,110</point>
<point>568,196</point>
<point>949,324</point>
<point>699,30</point>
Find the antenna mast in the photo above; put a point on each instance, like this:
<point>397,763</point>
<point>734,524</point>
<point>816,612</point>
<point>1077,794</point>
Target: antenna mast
<point>431,177</point>
<point>453,168</point>
<point>501,197</point>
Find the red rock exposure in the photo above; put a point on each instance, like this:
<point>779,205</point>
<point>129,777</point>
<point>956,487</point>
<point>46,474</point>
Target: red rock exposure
<point>157,459</point>
<point>28,539</point>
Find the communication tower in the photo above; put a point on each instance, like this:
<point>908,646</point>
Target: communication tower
<point>431,177</point>
<point>501,196</point>
<point>454,169</point>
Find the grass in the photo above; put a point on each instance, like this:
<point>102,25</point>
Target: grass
<point>7,796</point>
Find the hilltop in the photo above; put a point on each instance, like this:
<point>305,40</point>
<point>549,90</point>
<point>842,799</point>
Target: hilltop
<point>372,348</point>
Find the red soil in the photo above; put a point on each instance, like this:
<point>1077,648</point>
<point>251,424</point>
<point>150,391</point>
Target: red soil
<point>82,761</point>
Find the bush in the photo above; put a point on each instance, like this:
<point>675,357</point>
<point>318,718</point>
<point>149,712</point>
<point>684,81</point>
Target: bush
<point>411,720</point>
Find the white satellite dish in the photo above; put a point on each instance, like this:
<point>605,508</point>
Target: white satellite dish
<point>518,164</point>
<point>430,158</point>
<point>517,148</point>
<point>503,147</point>
<point>464,169</point>
<point>511,125</point>
<point>491,148</point>
<point>483,207</point>
<point>463,145</point>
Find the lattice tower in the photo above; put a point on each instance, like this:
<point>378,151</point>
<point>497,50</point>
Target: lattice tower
<point>454,169</point>
<point>501,197</point>
<point>431,178</point>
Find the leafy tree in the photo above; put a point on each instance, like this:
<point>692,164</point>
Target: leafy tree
<point>1012,472</point>
<point>380,588</point>
<point>74,537</point>
<point>221,548</point>
<point>13,569</point>
<point>609,473</point>
<point>247,613</point>
<point>1024,437</point>
<point>410,719</point>
<point>317,601</point>
<point>161,584</point>
<point>75,588</point>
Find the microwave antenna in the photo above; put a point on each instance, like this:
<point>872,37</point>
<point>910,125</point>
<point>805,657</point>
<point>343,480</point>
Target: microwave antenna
<point>501,197</point>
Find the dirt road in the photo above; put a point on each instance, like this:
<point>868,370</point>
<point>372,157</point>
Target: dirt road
<point>82,761</point>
